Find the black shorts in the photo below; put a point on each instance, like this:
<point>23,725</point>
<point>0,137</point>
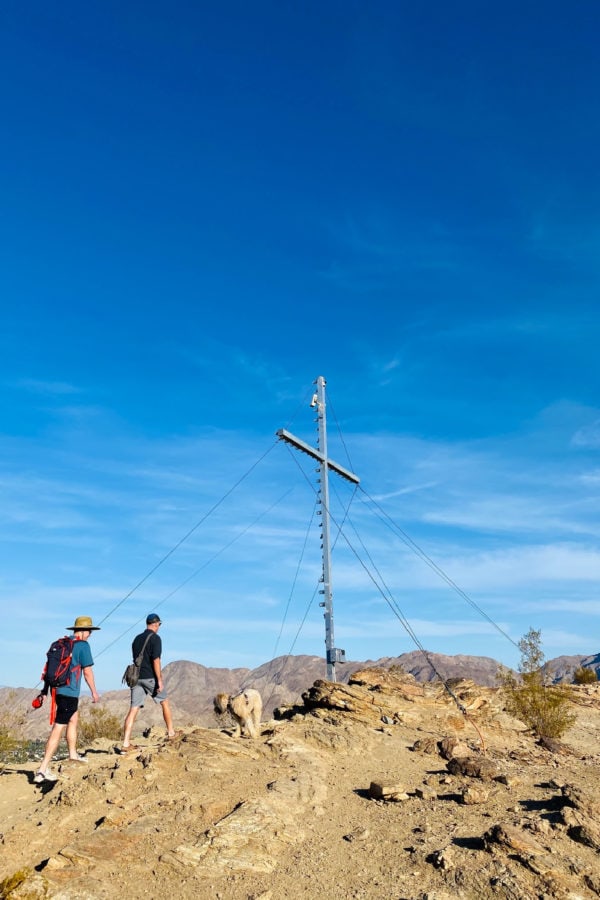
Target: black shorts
<point>65,708</point>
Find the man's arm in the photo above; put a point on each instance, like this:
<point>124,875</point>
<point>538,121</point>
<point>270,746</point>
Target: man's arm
<point>157,672</point>
<point>88,674</point>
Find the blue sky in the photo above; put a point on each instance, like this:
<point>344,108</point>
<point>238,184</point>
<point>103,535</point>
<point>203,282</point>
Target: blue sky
<point>203,208</point>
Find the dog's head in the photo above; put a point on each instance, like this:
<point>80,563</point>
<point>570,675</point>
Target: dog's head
<point>221,702</point>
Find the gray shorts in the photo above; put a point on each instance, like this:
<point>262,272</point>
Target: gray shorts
<point>146,687</point>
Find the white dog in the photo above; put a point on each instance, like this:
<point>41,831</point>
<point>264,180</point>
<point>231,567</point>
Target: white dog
<point>246,709</point>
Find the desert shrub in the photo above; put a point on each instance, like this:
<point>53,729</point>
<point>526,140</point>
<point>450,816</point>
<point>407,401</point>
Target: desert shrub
<point>585,675</point>
<point>11,720</point>
<point>542,707</point>
<point>14,881</point>
<point>7,740</point>
<point>98,722</point>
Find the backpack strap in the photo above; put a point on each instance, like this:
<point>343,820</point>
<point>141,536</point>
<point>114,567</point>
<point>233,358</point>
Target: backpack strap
<point>140,656</point>
<point>52,705</point>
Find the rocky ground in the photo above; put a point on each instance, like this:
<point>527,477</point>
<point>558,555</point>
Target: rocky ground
<point>381,788</point>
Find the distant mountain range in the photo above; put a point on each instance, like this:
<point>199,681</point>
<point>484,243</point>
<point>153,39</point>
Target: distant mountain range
<point>281,681</point>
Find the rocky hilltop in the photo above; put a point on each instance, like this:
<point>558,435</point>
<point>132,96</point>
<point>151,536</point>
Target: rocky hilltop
<point>281,682</point>
<point>382,787</point>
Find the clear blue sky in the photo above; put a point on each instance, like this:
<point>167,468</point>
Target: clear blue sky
<point>206,206</point>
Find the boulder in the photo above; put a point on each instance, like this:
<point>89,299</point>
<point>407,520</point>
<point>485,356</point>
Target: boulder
<point>473,767</point>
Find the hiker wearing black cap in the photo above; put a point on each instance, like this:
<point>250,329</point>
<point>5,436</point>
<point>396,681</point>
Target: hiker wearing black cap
<point>150,683</point>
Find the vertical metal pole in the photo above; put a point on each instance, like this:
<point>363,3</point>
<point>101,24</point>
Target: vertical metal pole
<point>333,655</point>
<point>325,530</point>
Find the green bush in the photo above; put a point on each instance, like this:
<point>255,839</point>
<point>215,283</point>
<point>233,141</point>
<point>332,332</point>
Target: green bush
<point>98,723</point>
<point>584,675</point>
<point>542,707</point>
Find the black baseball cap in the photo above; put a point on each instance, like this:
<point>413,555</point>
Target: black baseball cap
<point>152,618</point>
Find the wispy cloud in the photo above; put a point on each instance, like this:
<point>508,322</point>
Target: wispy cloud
<point>588,436</point>
<point>47,388</point>
<point>571,237</point>
<point>374,254</point>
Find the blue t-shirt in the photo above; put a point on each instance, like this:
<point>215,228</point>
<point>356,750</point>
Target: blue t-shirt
<point>81,659</point>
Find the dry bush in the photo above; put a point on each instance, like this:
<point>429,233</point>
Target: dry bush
<point>10,884</point>
<point>7,738</point>
<point>7,741</point>
<point>542,707</point>
<point>98,723</point>
<point>585,675</point>
<point>11,720</point>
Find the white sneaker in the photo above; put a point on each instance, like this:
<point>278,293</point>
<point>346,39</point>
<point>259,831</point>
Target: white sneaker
<point>40,777</point>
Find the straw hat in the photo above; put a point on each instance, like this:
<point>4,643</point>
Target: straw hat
<point>83,623</point>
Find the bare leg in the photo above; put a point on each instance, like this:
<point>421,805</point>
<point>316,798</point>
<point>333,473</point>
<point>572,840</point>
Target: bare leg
<point>168,717</point>
<point>128,726</point>
<point>72,735</point>
<point>51,746</point>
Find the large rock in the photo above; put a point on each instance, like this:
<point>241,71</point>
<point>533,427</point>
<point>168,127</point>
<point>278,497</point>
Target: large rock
<point>370,696</point>
<point>473,767</point>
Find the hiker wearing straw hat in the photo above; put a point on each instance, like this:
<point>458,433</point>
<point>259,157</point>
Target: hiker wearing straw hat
<point>67,698</point>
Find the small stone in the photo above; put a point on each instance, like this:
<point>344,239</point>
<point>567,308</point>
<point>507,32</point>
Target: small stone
<point>425,792</point>
<point>380,790</point>
<point>473,795</point>
<point>514,839</point>
<point>442,859</point>
<point>359,834</point>
<point>510,781</point>
<point>451,747</point>
<point>541,826</point>
<point>56,862</point>
<point>424,745</point>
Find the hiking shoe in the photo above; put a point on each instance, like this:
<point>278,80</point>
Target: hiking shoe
<point>77,759</point>
<point>40,777</point>
<point>131,749</point>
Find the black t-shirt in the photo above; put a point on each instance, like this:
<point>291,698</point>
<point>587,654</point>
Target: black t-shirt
<point>153,651</point>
